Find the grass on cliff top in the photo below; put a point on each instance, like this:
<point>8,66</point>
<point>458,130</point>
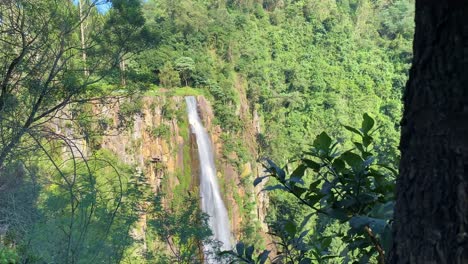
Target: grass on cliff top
<point>150,90</point>
<point>180,91</point>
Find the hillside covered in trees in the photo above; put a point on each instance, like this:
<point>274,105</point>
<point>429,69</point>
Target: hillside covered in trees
<point>302,100</point>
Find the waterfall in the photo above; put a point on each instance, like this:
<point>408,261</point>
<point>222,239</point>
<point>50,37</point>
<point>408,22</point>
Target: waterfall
<point>211,201</point>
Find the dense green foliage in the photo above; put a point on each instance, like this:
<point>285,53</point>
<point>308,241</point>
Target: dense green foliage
<point>303,66</point>
<point>309,65</point>
<point>348,186</point>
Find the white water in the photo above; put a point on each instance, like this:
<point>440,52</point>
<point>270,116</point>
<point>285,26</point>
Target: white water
<point>211,201</point>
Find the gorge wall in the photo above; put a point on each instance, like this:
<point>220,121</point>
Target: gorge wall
<point>152,134</point>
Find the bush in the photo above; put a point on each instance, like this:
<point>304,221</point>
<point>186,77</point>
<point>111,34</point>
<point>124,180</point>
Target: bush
<point>161,131</point>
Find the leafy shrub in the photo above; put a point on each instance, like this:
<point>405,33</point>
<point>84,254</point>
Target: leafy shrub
<point>8,256</point>
<point>348,186</point>
<point>162,130</point>
<point>168,77</point>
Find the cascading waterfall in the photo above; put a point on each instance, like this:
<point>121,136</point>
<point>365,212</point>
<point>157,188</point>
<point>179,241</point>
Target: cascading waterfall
<point>211,201</point>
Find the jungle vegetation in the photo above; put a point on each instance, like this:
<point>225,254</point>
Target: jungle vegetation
<point>324,81</point>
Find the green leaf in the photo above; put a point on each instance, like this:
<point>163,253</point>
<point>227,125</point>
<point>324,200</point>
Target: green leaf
<point>277,171</point>
<point>329,257</point>
<point>248,252</point>
<point>394,172</point>
<point>359,146</point>
<point>354,130</point>
<point>338,214</point>
<point>296,180</point>
<point>290,227</point>
<point>383,211</point>
<point>366,198</point>
<point>240,248</point>
<point>259,180</point>
<point>274,187</point>
<point>367,123</point>
<point>222,253</point>
<point>326,242</point>
<point>367,140</point>
<point>347,202</point>
<point>297,174</point>
<point>298,190</point>
<point>338,165</point>
<point>368,161</point>
<point>313,199</point>
<point>313,186</point>
<point>263,256</point>
<point>305,221</point>
<point>322,142</point>
<point>311,164</point>
<point>326,188</point>
<point>353,160</point>
<point>299,171</point>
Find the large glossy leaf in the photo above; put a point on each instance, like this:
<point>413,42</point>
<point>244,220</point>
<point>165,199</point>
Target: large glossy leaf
<point>352,159</point>
<point>322,142</point>
<point>366,141</point>
<point>367,123</point>
<point>299,172</point>
<point>338,165</point>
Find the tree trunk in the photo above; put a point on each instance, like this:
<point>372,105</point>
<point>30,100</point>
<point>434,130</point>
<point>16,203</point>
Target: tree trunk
<point>123,80</point>
<point>82,35</point>
<point>431,213</point>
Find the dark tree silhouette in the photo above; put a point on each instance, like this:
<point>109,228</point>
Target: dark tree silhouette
<point>431,214</point>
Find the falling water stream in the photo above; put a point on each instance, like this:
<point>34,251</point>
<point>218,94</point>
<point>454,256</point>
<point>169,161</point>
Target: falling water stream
<point>211,201</point>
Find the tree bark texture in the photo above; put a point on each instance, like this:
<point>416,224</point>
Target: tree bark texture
<point>431,213</point>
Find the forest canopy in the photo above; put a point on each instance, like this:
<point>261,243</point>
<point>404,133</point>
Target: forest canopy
<point>277,73</point>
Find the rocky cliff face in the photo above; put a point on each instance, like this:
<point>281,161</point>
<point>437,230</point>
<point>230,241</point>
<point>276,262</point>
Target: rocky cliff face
<point>152,134</point>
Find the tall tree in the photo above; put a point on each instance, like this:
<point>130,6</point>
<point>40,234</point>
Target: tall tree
<point>82,35</point>
<point>431,214</point>
<point>40,63</point>
<point>125,27</point>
